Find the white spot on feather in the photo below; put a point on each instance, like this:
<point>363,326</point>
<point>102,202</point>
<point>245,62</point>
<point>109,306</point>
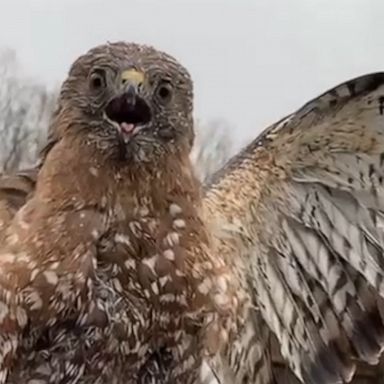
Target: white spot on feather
<point>122,239</point>
<point>94,171</point>
<point>207,265</point>
<point>143,211</point>
<point>172,239</point>
<point>164,280</point>
<point>155,288</point>
<point>205,286</point>
<point>221,300</point>
<point>117,285</point>
<point>34,300</point>
<point>135,228</point>
<point>222,283</point>
<point>13,239</point>
<point>51,277</point>
<point>7,257</point>
<point>8,346</point>
<point>175,209</point>
<point>168,298</point>
<point>23,256</point>
<point>34,273</point>
<point>152,226</point>
<point>179,224</point>
<point>4,311</point>
<point>32,264</point>
<point>169,254</point>
<point>151,262</point>
<point>21,317</point>
<point>130,264</point>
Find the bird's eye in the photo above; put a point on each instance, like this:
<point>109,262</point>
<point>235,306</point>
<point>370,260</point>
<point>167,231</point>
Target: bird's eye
<point>164,92</point>
<point>97,80</point>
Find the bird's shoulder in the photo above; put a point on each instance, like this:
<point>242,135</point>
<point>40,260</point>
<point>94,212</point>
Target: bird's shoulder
<point>345,119</point>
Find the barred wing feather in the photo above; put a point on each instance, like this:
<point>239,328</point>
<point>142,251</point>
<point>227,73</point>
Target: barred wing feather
<point>304,204</point>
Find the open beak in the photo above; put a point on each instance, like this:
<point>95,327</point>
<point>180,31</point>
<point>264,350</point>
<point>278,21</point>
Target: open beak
<point>129,110</point>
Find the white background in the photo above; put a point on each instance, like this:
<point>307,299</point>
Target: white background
<point>252,61</point>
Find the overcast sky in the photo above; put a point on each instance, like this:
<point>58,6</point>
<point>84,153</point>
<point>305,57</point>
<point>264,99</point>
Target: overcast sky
<point>253,61</point>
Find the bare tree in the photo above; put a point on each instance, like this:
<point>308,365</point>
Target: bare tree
<point>212,148</point>
<point>25,110</point>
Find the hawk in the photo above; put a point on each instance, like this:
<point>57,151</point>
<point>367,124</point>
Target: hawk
<point>297,217</point>
<point>107,269</point>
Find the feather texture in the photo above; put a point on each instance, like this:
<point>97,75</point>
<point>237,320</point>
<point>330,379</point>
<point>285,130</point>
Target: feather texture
<point>304,205</point>
<point>298,216</point>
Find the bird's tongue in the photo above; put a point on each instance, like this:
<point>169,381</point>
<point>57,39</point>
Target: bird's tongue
<point>127,127</point>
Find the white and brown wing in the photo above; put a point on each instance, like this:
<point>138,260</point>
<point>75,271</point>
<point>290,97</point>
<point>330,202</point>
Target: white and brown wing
<point>300,214</point>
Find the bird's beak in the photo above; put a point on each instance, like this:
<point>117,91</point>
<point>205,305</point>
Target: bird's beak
<point>129,109</point>
<point>131,82</point>
<point>132,77</point>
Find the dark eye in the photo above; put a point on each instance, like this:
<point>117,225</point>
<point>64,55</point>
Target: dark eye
<point>164,92</point>
<point>97,80</point>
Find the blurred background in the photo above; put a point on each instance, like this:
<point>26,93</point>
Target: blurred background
<point>253,61</point>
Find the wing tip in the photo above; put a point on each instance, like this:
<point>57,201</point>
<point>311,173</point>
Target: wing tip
<point>328,367</point>
<point>368,336</point>
<point>343,92</point>
<point>365,83</point>
<point>333,365</point>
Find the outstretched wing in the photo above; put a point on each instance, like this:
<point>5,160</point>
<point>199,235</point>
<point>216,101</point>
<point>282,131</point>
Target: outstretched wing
<point>300,215</point>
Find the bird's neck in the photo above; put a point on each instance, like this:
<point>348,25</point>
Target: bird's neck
<point>74,171</point>
<point>164,177</point>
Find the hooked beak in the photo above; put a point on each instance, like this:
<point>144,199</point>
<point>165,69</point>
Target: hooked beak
<point>129,110</point>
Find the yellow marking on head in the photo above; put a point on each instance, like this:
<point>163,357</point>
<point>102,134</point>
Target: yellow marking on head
<point>133,76</point>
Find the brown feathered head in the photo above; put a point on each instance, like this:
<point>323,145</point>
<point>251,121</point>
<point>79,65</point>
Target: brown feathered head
<point>130,97</point>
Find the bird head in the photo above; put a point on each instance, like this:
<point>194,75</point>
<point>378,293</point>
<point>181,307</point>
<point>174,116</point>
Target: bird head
<point>132,94</point>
